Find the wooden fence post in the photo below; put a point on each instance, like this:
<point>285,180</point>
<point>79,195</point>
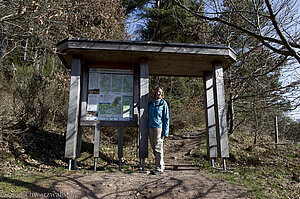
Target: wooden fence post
<point>276,131</point>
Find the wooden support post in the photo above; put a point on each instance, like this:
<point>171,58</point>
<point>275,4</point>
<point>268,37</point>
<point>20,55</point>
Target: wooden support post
<point>84,96</point>
<point>224,164</point>
<point>95,164</point>
<point>136,96</point>
<point>212,162</point>
<point>84,93</point>
<point>79,141</point>
<point>220,111</point>
<point>211,134</point>
<point>215,109</point>
<point>71,149</point>
<point>143,116</point>
<point>136,101</point>
<point>142,164</point>
<point>120,147</point>
<point>96,144</point>
<point>70,164</point>
<point>75,163</point>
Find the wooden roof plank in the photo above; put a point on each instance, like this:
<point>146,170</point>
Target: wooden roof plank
<point>176,59</point>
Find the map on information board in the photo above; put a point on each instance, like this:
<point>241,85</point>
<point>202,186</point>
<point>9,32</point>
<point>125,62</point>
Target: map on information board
<point>110,95</point>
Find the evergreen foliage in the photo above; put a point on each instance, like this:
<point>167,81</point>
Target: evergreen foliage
<point>166,22</point>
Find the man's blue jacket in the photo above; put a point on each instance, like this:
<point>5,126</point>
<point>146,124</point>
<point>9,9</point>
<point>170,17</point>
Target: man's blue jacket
<point>159,115</point>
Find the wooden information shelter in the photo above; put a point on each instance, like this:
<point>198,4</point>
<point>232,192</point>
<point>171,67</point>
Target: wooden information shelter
<point>110,87</point>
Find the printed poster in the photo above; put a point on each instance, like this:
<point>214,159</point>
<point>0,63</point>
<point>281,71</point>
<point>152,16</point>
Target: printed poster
<point>110,95</point>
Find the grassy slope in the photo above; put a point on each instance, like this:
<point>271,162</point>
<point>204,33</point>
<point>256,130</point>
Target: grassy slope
<point>265,171</point>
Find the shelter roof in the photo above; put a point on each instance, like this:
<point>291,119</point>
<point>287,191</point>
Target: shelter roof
<point>172,59</point>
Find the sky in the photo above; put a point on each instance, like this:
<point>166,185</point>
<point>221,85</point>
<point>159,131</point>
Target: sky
<point>132,24</point>
<point>289,75</point>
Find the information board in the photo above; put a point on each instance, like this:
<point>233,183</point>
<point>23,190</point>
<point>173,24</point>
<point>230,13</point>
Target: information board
<point>110,95</point>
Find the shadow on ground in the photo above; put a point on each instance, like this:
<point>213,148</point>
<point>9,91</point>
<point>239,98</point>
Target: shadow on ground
<point>45,148</point>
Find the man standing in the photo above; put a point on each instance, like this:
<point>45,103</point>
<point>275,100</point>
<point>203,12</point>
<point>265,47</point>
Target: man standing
<point>158,127</point>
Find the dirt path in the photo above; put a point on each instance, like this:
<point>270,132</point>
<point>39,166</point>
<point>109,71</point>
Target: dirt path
<point>180,180</point>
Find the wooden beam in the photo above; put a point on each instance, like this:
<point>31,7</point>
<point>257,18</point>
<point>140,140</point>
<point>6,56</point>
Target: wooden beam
<point>79,141</point>
<point>211,131</point>
<point>73,112</point>
<point>109,123</point>
<point>136,94</point>
<point>147,47</point>
<point>220,110</point>
<point>143,120</point>
<point>120,147</point>
<point>136,101</point>
<point>96,145</point>
<point>97,141</point>
<point>84,93</point>
<point>171,59</point>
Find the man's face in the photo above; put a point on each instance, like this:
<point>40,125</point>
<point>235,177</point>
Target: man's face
<point>158,94</point>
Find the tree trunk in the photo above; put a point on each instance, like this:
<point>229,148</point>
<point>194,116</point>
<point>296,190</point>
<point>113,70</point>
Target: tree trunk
<point>230,114</point>
<point>255,122</point>
<point>4,43</point>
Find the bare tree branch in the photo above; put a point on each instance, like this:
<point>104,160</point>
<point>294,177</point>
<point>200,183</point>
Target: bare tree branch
<point>279,32</point>
<point>261,38</point>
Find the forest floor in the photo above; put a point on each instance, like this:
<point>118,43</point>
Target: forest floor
<point>252,172</point>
